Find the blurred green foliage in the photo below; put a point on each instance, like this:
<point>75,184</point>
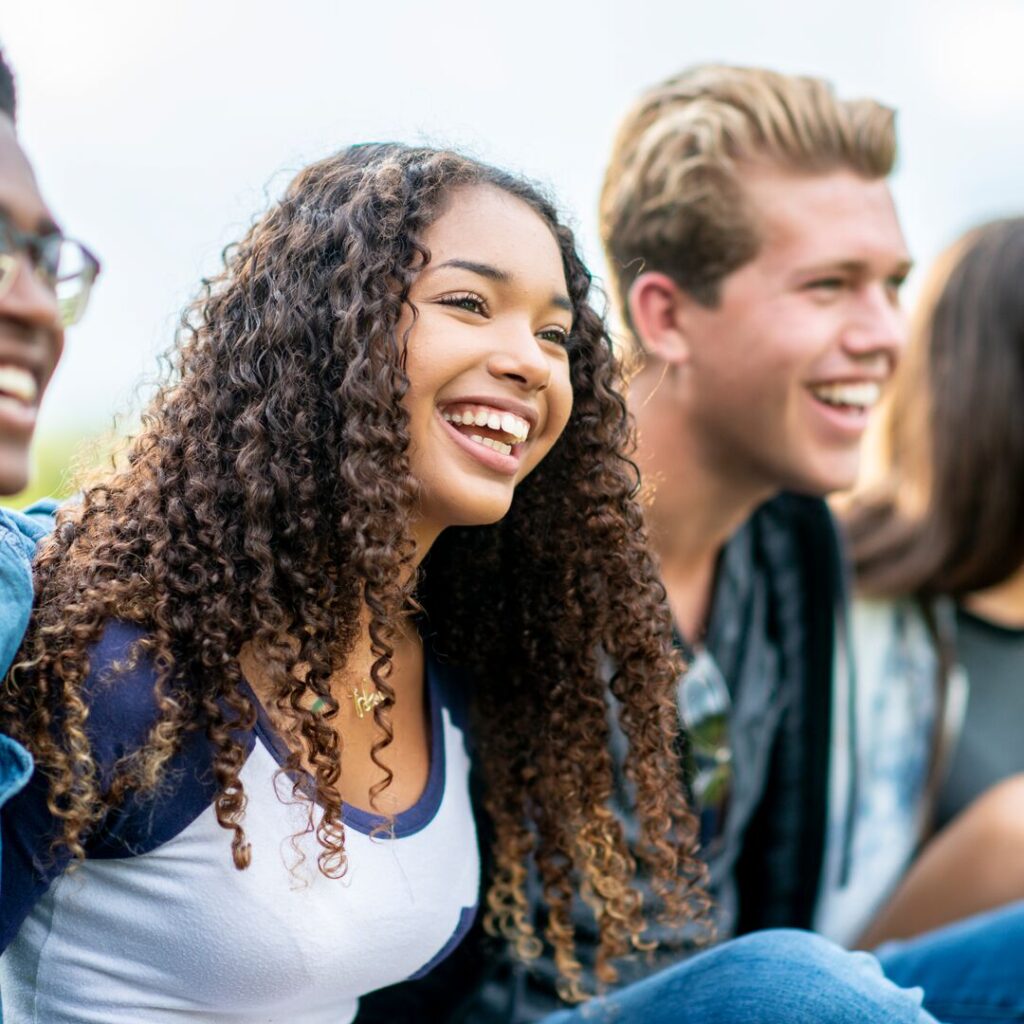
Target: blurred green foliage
<point>57,460</point>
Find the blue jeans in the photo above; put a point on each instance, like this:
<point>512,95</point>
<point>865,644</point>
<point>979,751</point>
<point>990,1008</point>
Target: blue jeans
<point>770,977</point>
<point>972,972</point>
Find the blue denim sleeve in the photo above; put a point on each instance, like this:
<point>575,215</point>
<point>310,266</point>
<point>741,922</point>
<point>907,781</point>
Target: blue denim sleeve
<point>19,534</point>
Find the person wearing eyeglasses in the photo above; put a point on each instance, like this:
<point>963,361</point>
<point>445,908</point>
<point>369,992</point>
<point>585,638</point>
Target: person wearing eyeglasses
<point>45,280</point>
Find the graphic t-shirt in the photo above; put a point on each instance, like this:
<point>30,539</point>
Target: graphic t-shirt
<point>889,684</point>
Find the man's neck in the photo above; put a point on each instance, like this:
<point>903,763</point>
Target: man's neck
<point>694,508</point>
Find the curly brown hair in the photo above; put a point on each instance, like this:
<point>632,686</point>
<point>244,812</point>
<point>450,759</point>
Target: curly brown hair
<point>268,498</point>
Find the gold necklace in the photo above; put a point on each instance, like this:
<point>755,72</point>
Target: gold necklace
<point>365,702</point>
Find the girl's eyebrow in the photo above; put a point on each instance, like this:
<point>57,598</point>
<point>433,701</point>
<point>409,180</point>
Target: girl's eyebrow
<point>487,270</point>
<point>493,273</point>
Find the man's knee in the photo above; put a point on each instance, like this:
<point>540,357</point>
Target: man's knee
<point>791,976</point>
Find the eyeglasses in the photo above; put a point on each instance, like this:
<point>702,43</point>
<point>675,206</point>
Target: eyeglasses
<point>62,264</point>
<point>704,706</point>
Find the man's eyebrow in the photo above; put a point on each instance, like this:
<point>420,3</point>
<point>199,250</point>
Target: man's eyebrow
<point>856,267</point>
<point>44,226</point>
<point>493,273</point>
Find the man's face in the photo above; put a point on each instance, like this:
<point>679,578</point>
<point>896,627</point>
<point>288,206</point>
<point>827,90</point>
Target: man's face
<point>785,369</point>
<point>31,335</point>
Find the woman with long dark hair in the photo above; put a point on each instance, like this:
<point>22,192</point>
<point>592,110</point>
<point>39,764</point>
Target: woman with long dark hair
<point>380,516</point>
<point>937,538</point>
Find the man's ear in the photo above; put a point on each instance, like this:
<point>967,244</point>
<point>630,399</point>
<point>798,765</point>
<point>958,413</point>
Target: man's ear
<point>656,305</point>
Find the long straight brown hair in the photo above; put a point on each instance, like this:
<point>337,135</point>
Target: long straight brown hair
<point>945,514</point>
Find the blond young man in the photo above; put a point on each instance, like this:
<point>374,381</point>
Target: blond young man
<point>757,259</point>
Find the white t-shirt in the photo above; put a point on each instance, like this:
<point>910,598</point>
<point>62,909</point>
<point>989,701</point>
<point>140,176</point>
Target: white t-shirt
<point>158,926</point>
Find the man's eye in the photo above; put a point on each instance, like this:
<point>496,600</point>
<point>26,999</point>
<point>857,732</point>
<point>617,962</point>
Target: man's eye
<point>826,284</point>
<point>470,303</point>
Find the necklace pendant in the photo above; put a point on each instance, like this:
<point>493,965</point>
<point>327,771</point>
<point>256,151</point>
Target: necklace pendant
<point>366,702</point>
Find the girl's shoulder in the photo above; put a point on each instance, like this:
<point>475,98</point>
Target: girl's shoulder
<point>123,700</point>
<point>122,703</point>
<point>120,692</point>
<point>123,694</point>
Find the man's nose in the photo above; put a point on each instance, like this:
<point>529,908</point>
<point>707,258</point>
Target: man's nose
<point>28,299</point>
<point>879,328</point>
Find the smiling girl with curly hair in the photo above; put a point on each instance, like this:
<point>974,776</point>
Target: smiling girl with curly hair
<point>256,648</point>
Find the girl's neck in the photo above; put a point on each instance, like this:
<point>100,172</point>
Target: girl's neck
<point>356,672</point>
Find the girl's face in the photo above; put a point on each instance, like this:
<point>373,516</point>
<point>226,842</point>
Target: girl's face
<point>487,361</point>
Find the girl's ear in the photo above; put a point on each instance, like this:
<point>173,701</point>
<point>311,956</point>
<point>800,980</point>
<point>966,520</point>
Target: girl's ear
<point>656,309</point>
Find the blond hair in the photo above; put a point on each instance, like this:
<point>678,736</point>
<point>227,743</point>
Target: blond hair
<point>673,200</point>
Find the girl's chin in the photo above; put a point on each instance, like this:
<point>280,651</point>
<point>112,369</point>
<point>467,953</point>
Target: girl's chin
<point>481,511</point>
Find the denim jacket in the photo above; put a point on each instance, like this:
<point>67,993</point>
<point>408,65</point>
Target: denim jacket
<point>19,534</point>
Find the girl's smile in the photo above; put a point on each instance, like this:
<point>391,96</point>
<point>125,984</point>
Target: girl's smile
<point>487,433</point>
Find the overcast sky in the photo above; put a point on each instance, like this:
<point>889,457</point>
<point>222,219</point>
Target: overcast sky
<point>159,129</point>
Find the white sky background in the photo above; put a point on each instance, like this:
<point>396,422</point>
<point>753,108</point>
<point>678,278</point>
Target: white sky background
<point>158,129</point>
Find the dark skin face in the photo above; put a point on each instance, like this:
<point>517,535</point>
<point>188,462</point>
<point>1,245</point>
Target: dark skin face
<point>31,335</point>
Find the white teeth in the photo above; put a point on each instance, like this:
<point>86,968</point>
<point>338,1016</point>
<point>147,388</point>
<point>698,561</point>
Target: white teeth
<point>494,419</point>
<point>505,449</point>
<point>18,383</point>
<point>863,395</point>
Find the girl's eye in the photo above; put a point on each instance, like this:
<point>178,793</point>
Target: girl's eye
<point>470,303</point>
<point>827,284</point>
<point>556,335</point>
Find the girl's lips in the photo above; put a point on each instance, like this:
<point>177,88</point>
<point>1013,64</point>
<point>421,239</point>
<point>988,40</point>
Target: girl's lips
<point>507,465</point>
